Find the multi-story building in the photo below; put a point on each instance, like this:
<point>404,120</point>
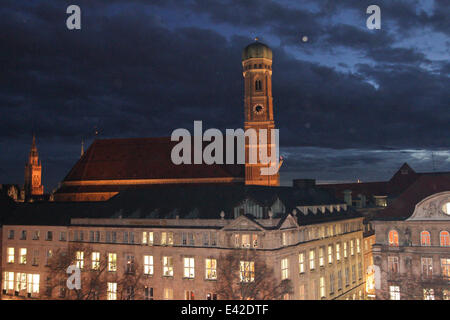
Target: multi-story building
<point>412,249</point>
<point>317,243</point>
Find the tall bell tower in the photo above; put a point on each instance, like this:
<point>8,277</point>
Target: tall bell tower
<point>33,173</point>
<point>258,106</point>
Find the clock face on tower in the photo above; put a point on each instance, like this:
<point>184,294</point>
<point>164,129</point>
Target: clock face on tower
<point>258,109</point>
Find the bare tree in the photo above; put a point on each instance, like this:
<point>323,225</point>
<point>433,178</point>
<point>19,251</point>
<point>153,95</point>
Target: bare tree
<point>244,275</point>
<point>94,275</point>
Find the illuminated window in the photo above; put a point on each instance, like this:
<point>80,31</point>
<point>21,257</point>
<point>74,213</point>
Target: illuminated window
<point>425,239</point>
<point>427,267</point>
<point>168,294</point>
<point>8,282</point>
<point>255,240</point>
<point>284,269</point>
<point>321,256</point>
<point>49,255</point>
<point>338,251</point>
<point>23,256</point>
<point>358,246</point>
<point>322,287</point>
<point>301,262</point>
<point>189,268</point>
<point>21,281</point>
<point>446,208</point>
<point>247,271</point>
<point>445,239</point>
<point>445,268</point>
<point>112,291</point>
<point>245,241</point>
<point>352,248</point>
<point>330,254</point>
<point>95,260</point>
<point>167,238</point>
<point>147,238</point>
<point>211,296</point>
<point>428,294</point>
<point>36,235</point>
<point>393,238</point>
<point>112,262</point>
<point>284,239</point>
<point>189,295</point>
<point>312,259</point>
<point>79,259</point>
<point>148,265</point>
<point>10,255</point>
<point>129,267</point>
<point>211,269</point>
<point>167,266</point>
<point>393,265</point>
<point>33,283</point>
<point>345,249</point>
<point>394,292</point>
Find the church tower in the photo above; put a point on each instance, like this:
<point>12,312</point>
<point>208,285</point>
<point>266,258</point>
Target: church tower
<point>258,106</point>
<point>33,173</point>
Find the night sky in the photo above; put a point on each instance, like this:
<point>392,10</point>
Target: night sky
<point>350,103</point>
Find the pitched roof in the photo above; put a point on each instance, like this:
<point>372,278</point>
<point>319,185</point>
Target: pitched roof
<point>141,158</point>
<point>425,186</point>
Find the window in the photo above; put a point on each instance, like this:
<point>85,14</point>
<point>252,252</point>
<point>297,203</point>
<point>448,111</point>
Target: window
<point>21,281</point>
<point>167,238</point>
<point>148,293</point>
<point>245,241</point>
<point>211,269</point>
<point>445,239</point>
<point>312,262</point>
<point>8,283</point>
<point>23,235</point>
<point>425,239</point>
<point>36,235</point>
<point>347,276</point>
<point>352,248</point>
<point>23,256</point>
<point>112,291</point>
<point>339,278</point>
<point>284,239</point>
<point>338,251</point>
<point>189,268</point>
<point>62,236</point>
<point>129,267</point>
<point>393,265</point>
<point>167,266</point>
<point>358,246</point>
<point>394,292</point>
<point>393,238</point>
<point>112,262</point>
<point>284,269</point>
<point>11,234</point>
<point>428,294</point>
<point>211,296</point>
<point>33,283</point>
<point>330,254</point>
<point>255,240</point>
<point>360,272</point>
<point>247,271</point>
<point>147,238</point>
<point>189,295</point>
<point>236,241</point>
<point>353,273</point>
<point>427,267</point>
<point>35,258</point>
<point>321,256</point>
<point>168,294</point>
<point>49,236</point>
<point>345,249</point>
<point>114,236</point>
<point>322,287</point>
<point>446,208</point>
<point>49,255</point>
<point>258,85</point>
<point>445,268</point>
<point>10,255</point>
<point>301,262</point>
<point>79,259</point>
<point>95,260</point>
<point>148,265</point>
<point>130,293</point>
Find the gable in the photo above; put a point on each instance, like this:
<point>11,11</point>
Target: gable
<point>243,223</point>
<point>434,207</point>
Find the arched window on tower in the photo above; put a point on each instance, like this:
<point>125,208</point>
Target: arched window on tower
<point>425,239</point>
<point>258,85</point>
<point>445,239</point>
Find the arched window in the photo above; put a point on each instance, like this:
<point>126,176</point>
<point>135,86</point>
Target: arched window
<point>425,239</point>
<point>258,85</point>
<point>393,238</point>
<point>445,239</point>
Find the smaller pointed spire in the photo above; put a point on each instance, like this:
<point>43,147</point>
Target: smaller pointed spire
<point>82,147</point>
<point>33,144</point>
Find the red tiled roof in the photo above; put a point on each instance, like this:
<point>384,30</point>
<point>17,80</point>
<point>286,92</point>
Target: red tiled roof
<point>141,158</point>
<point>425,186</point>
